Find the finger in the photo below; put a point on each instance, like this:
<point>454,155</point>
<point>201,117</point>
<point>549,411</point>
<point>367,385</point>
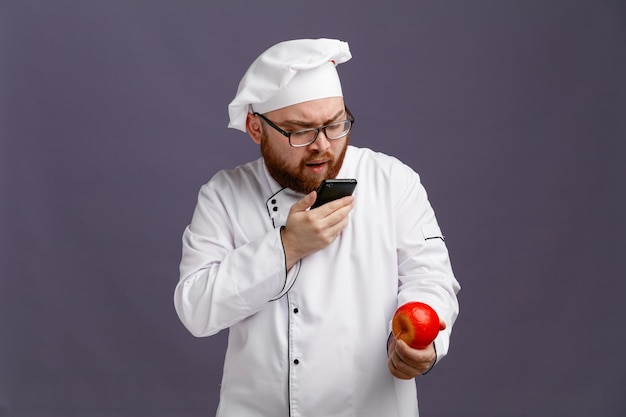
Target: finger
<point>338,217</point>
<point>442,325</point>
<point>397,368</point>
<point>335,205</point>
<point>408,370</point>
<point>334,224</point>
<point>415,358</point>
<point>305,202</point>
<point>403,351</point>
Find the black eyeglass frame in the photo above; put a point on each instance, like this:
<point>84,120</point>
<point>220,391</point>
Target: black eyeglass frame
<point>317,129</point>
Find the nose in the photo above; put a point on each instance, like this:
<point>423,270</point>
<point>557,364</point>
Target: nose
<point>321,144</point>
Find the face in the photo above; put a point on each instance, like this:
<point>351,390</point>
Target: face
<point>302,169</point>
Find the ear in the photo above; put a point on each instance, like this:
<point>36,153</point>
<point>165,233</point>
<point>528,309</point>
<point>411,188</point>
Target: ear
<point>254,128</point>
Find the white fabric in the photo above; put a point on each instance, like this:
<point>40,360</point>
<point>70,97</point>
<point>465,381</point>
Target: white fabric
<point>232,275</point>
<point>288,73</point>
<point>313,84</point>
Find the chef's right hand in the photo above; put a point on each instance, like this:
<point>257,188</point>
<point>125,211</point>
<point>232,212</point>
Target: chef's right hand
<point>308,231</point>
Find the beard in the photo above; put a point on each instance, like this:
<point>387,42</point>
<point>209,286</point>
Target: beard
<point>298,179</point>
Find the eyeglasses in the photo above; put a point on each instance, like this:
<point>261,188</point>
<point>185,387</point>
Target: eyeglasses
<point>305,137</point>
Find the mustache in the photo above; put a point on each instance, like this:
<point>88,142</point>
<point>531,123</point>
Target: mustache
<point>317,156</point>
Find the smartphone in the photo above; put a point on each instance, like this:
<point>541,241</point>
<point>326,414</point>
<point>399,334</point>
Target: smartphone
<point>333,189</point>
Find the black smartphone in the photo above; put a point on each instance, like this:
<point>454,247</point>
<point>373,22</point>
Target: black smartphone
<point>333,189</point>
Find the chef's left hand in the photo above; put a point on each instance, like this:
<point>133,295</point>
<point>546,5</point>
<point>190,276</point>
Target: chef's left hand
<point>405,362</point>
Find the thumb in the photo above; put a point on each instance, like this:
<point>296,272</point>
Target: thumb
<point>442,325</point>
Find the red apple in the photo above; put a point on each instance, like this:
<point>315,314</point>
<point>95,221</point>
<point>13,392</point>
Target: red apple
<point>415,323</point>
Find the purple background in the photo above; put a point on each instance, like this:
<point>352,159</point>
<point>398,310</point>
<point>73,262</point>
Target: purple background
<point>113,113</point>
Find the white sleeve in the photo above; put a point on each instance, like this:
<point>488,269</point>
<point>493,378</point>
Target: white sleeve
<point>424,268</point>
<point>221,284</point>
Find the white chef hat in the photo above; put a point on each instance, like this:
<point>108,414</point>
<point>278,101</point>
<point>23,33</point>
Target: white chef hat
<point>288,73</point>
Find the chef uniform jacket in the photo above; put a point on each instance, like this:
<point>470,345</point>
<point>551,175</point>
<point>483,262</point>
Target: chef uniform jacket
<point>312,341</point>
